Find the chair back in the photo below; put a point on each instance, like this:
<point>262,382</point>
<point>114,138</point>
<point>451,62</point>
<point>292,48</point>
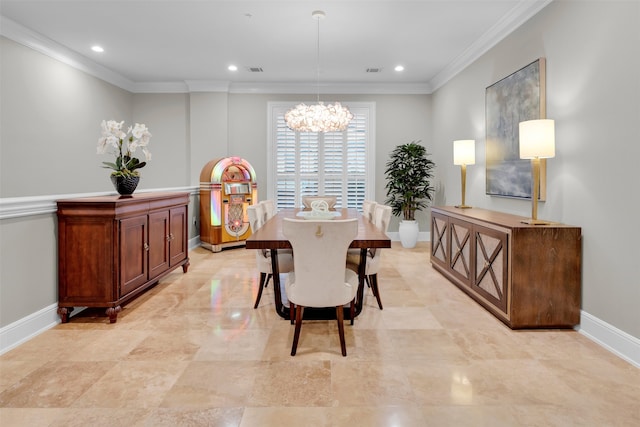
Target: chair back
<point>269,209</point>
<point>382,217</point>
<point>254,212</point>
<point>320,252</point>
<point>307,200</point>
<point>368,209</point>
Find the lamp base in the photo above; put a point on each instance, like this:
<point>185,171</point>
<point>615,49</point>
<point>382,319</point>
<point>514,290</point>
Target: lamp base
<point>532,221</point>
<point>463,207</point>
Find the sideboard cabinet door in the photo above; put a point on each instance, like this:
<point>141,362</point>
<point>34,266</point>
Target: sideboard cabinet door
<point>491,266</point>
<point>461,258</point>
<point>158,243</point>
<point>440,239</point>
<point>178,237</point>
<point>133,253</point>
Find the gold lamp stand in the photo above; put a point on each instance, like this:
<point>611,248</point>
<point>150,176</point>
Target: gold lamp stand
<point>535,183</point>
<point>537,141</point>
<point>463,176</point>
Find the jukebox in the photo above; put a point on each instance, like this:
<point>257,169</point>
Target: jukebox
<point>227,187</point>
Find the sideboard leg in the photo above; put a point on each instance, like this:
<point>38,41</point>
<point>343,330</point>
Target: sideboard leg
<point>64,313</point>
<point>112,312</point>
<point>185,266</point>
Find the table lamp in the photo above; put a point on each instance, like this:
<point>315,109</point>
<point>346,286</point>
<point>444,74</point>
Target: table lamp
<point>537,141</point>
<point>464,153</point>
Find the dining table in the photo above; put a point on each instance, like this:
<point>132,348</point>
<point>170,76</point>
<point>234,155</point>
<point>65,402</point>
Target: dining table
<point>270,237</point>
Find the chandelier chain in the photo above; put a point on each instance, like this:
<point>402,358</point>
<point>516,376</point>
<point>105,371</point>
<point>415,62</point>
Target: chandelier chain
<point>318,60</point>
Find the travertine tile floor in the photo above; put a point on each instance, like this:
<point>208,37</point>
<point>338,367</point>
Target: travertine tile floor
<point>193,352</point>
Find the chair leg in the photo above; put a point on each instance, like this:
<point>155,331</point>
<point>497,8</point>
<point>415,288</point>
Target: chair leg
<point>263,278</point>
<point>352,310</point>
<point>267,281</point>
<point>296,334</point>
<point>340,318</point>
<point>292,312</point>
<point>375,289</point>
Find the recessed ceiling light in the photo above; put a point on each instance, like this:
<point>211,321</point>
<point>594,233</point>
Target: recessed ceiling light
<point>97,48</point>
<point>232,68</point>
<point>399,68</point>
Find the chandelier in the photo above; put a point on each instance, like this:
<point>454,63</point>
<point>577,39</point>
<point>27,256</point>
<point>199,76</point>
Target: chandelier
<point>318,117</point>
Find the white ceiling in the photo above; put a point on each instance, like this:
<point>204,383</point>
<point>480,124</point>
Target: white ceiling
<point>182,43</point>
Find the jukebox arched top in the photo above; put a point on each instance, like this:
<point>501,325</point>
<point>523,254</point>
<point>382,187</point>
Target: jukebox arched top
<point>228,169</point>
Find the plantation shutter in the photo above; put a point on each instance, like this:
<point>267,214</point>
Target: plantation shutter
<point>310,163</point>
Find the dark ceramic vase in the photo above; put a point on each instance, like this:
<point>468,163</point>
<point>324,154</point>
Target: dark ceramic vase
<point>125,185</point>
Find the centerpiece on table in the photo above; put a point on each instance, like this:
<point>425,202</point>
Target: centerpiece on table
<point>123,145</point>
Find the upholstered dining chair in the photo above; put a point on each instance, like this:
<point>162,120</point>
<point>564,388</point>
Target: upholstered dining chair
<point>368,212</point>
<point>382,218</point>
<point>307,200</point>
<point>263,256</point>
<point>319,278</point>
<point>368,209</point>
<point>270,210</point>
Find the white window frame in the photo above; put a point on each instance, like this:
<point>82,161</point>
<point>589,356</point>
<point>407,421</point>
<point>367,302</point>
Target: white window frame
<point>367,109</point>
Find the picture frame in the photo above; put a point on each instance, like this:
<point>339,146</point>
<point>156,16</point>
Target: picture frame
<point>518,97</point>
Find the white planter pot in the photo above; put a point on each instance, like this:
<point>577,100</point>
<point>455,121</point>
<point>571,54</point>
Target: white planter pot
<point>408,231</point>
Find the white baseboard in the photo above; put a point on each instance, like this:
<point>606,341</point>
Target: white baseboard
<point>194,243</point>
<point>28,327</point>
<point>611,338</point>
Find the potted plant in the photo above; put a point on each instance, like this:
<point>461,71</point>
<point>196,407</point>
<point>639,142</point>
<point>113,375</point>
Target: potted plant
<point>114,140</point>
<point>409,173</point>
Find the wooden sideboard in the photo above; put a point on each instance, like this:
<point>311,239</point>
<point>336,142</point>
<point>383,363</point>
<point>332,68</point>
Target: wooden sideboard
<point>528,276</point>
<point>112,248</point>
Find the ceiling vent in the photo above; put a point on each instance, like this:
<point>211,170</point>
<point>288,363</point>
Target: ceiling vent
<point>374,70</point>
<point>255,69</point>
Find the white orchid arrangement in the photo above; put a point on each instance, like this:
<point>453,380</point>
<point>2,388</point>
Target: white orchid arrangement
<point>123,145</point>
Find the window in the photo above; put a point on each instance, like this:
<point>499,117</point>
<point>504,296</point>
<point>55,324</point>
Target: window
<point>337,164</point>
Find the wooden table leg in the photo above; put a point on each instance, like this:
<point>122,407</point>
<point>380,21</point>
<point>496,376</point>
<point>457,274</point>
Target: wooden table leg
<point>280,309</point>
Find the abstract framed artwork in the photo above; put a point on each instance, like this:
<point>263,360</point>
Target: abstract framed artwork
<point>516,98</point>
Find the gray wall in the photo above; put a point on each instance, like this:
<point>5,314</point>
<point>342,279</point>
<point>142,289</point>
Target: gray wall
<point>592,51</point>
<point>50,116</point>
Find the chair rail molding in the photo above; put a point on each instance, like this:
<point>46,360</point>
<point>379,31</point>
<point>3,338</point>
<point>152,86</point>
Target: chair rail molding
<point>15,207</point>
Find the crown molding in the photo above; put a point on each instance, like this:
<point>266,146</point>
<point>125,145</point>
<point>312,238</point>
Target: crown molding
<point>207,85</point>
<point>331,88</point>
<point>48,47</point>
<point>160,87</point>
<point>521,13</point>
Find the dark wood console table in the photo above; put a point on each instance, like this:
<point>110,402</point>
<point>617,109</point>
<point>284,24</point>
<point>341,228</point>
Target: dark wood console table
<point>528,276</point>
